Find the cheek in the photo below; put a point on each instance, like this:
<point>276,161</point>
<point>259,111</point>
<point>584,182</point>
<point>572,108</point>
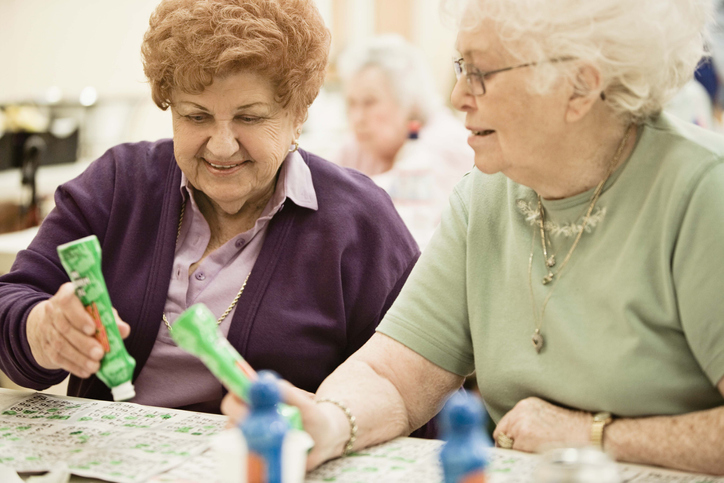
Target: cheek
<point>268,146</point>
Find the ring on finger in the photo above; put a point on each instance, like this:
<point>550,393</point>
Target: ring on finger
<point>505,441</point>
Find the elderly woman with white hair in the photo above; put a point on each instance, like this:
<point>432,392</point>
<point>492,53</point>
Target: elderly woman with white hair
<point>391,95</point>
<point>578,268</point>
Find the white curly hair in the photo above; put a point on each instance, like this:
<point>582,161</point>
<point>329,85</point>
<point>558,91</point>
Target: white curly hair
<point>645,50</point>
<point>403,65</point>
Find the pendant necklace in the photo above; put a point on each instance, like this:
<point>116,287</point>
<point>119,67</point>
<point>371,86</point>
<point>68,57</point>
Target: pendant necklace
<point>537,338</point>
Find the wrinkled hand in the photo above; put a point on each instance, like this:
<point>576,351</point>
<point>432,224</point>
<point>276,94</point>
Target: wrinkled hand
<point>534,423</point>
<point>60,334</point>
<point>319,420</point>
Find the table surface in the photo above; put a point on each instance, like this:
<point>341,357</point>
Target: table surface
<point>506,466</point>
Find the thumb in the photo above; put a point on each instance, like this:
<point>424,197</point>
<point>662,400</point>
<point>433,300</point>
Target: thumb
<point>295,396</point>
<point>123,327</point>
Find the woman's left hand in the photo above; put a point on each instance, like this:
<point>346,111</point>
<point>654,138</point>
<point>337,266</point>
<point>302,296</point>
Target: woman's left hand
<point>534,423</point>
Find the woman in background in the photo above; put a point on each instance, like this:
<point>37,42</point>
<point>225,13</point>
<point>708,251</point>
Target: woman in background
<point>298,258</point>
<point>389,92</point>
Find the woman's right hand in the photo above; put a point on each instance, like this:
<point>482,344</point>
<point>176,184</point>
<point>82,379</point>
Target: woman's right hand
<point>61,334</point>
<point>324,422</point>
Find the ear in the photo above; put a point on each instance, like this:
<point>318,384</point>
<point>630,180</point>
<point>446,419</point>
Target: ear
<point>299,120</point>
<point>587,86</point>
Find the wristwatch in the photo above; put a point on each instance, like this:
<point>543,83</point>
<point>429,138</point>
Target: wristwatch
<point>600,420</point>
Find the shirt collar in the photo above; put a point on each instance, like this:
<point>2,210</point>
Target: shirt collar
<point>294,182</point>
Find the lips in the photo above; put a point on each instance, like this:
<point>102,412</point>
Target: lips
<point>484,132</point>
<point>224,166</point>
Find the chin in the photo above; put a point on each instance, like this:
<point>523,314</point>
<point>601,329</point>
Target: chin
<point>487,165</point>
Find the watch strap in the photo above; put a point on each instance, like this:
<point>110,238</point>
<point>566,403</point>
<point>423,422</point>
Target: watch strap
<point>600,421</point>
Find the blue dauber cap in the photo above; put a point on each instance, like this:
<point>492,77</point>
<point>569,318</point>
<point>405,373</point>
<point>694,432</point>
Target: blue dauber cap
<point>461,412</point>
<point>265,390</point>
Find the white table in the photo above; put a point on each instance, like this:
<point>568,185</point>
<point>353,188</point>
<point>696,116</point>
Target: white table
<point>420,456</point>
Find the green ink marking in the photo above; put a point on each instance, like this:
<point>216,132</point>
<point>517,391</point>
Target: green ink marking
<point>108,416</point>
<point>85,418</point>
<point>9,413</point>
<point>76,432</point>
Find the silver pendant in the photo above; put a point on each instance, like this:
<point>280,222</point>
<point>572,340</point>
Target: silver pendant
<point>537,341</point>
<point>551,261</point>
<point>548,278</point>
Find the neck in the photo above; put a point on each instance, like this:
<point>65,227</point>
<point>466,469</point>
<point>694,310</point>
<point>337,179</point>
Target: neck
<point>226,224</point>
<point>584,156</point>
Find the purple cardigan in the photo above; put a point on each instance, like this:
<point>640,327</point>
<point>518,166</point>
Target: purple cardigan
<point>320,286</point>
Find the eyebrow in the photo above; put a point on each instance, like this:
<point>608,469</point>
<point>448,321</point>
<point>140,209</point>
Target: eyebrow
<point>239,108</point>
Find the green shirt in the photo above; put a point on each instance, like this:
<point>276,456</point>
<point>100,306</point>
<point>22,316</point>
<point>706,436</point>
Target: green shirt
<point>635,324</point>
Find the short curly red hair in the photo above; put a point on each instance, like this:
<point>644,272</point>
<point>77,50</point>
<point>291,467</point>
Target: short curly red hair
<point>190,42</point>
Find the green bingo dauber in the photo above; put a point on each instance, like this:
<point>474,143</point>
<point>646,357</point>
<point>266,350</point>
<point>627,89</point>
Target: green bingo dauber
<point>196,331</point>
<point>82,261</point>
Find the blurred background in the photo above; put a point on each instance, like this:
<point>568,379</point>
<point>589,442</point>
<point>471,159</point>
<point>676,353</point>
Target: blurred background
<point>72,86</point>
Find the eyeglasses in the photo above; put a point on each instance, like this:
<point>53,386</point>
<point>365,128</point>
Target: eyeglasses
<point>476,78</point>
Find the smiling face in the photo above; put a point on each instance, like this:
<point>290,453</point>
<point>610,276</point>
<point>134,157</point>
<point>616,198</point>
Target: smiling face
<point>378,121</point>
<point>513,130</point>
<point>230,139</point>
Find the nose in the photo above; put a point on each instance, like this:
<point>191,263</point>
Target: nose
<point>461,97</point>
<point>355,115</point>
<point>222,143</point>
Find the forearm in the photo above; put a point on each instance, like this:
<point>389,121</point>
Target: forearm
<point>16,358</point>
<point>390,390</point>
<point>690,442</point>
<point>376,404</point>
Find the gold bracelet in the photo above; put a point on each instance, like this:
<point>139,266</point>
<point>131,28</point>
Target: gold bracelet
<point>352,424</point>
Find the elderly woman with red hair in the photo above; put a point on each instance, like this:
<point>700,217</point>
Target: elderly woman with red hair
<point>298,257</point>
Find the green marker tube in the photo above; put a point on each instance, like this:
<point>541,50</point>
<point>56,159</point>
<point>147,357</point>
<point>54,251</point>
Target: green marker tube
<point>82,261</point>
<point>196,331</point>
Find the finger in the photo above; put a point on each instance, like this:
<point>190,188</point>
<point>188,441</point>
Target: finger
<point>76,369</point>
<point>503,427</point>
<point>64,356</point>
<point>65,300</point>
<point>295,396</point>
<point>85,346</point>
<point>123,328</point>
<point>234,408</point>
